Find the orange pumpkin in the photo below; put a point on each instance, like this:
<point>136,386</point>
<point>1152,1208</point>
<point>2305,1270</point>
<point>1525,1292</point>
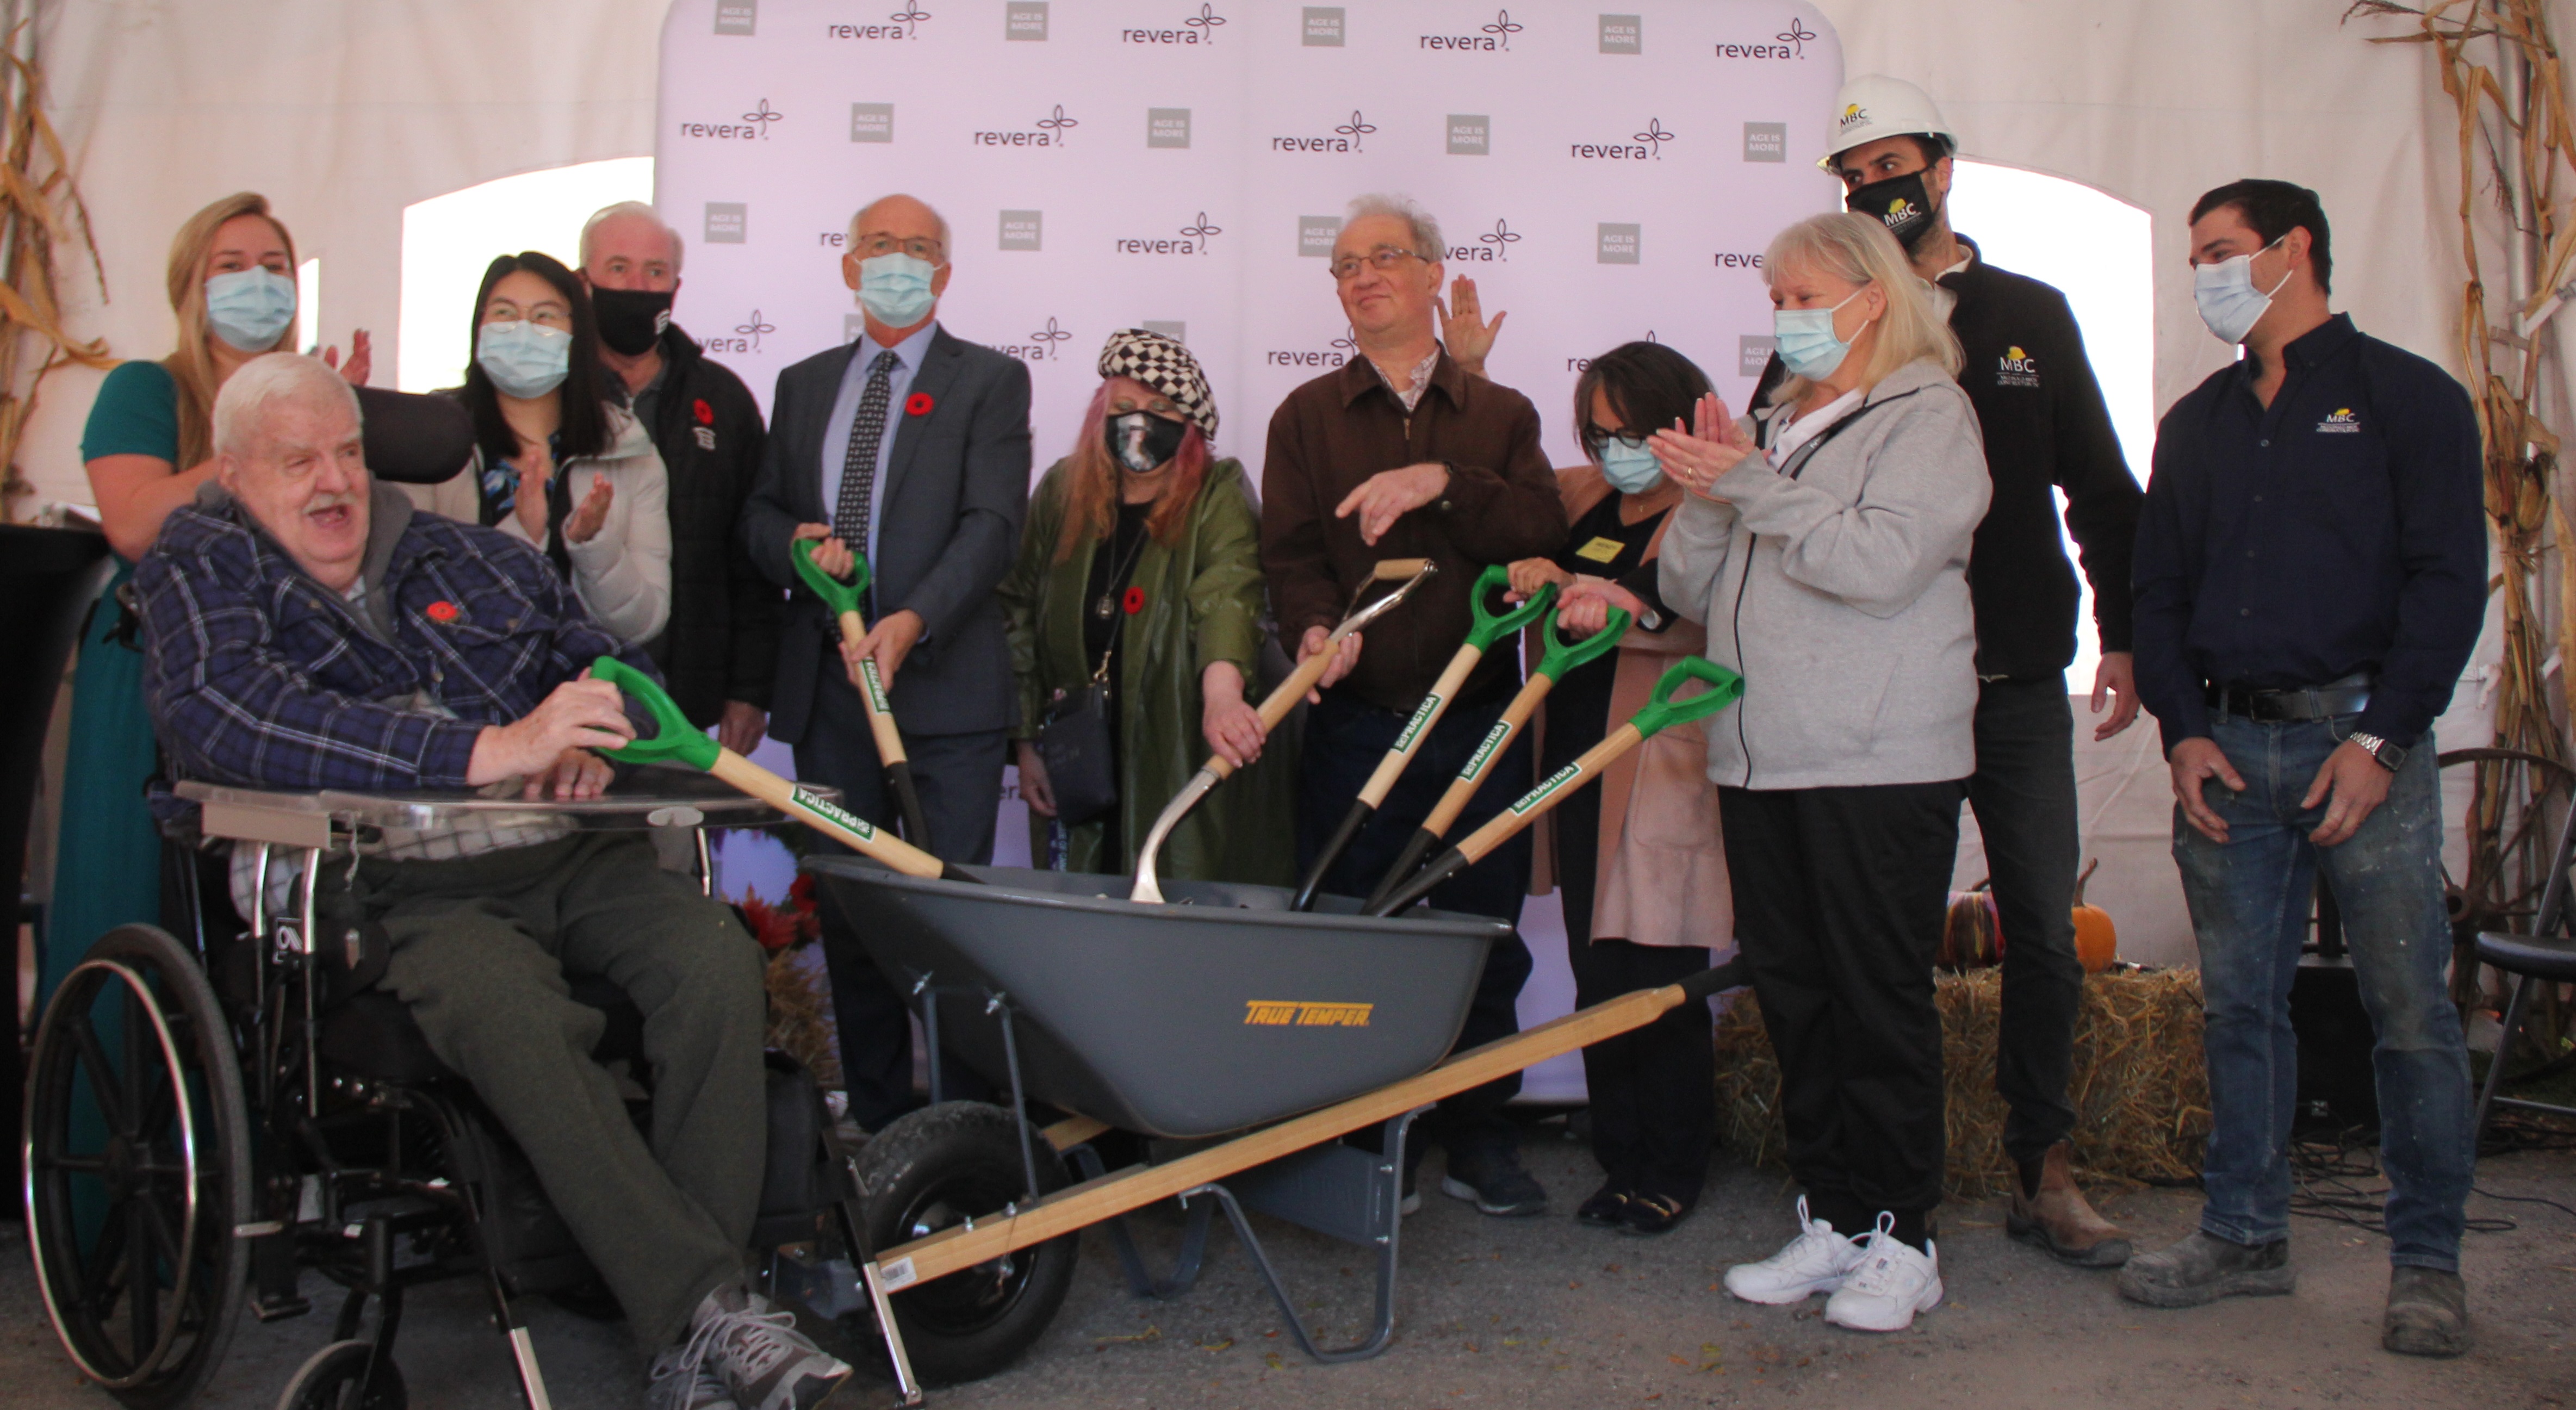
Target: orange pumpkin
<point>2097,941</point>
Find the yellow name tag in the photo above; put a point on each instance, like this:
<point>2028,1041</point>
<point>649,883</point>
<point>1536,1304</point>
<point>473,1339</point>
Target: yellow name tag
<point>1600,550</point>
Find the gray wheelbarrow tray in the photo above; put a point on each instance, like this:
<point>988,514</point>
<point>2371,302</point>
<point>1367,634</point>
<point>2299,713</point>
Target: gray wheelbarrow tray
<point>1220,1010</point>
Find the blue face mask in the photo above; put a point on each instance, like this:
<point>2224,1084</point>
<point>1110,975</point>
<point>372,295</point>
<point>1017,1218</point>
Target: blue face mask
<point>249,308</point>
<point>1629,466</point>
<point>523,359</point>
<point>2228,301</point>
<point>895,288</point>
<point>1805,338</point>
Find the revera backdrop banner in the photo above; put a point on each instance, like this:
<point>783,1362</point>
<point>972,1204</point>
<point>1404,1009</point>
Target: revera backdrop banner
<point>1603,172</point>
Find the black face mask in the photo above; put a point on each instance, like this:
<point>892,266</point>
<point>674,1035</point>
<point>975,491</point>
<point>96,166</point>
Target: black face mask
<point>631,319</point>
<point>1142,441</point>
<point>1901,202</point>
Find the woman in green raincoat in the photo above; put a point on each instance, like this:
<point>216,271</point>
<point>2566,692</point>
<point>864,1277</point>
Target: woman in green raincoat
<point>1140,569</point>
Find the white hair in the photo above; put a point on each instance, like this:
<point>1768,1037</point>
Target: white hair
<point>640,210</point>
<point>1425,230</point>
<point>862,213</point>
<point>242,407</point>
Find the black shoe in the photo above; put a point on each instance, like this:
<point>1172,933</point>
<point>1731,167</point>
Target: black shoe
<point>1605,1209</point>
<point>1654,1214</point>
<point>1493,1181</point>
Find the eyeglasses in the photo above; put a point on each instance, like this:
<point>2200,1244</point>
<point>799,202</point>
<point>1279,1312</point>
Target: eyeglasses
<point>1384,259</point>
<point>920,247</point>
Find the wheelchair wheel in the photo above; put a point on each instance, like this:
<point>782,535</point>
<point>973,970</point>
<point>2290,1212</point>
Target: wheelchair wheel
<point>938,1167</point>
<point>335,1378</point>
<point>138,1169</point>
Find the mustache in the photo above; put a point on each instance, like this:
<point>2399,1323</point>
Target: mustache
<point>333,500</point>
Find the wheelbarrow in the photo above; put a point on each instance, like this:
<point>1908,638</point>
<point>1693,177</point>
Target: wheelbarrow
<point>1221,1016</point>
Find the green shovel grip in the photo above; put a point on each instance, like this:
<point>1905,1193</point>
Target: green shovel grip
<point>1563,656</point>
<point>675,737</point>
<point>1488,629</point>
<point>1663,712</point>
<point>839,596</point>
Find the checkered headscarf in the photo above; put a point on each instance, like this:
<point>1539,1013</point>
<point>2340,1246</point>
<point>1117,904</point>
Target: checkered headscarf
<point>1164,365</point>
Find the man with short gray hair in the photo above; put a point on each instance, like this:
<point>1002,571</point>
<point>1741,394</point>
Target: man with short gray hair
<point>720,650</point>
<point>304,629</point>
<point>1402,454</point>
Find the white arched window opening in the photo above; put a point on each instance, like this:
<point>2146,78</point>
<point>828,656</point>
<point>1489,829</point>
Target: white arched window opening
<point>449,240</point>
<point>2096,249</point>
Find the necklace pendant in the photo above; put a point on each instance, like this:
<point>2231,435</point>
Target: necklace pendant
<point>1103,607</point>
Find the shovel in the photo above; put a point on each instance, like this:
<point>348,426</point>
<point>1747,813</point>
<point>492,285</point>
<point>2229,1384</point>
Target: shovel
<point>675,739</point>
<point>1415,572</point>
<point>1561,656</point>
<point>843,600</point>
<point>1486,629</point>
<point>1661,713</point>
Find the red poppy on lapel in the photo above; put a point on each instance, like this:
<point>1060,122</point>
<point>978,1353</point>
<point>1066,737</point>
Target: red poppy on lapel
<point>1135,601</point>
<point>440,611</point>
<point>918,404</point>
<point>706,414</point>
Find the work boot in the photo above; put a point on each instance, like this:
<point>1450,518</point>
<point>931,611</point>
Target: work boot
<point>2056,1217</point>
<point>2205,1268</point>
<point>2428,1313</point>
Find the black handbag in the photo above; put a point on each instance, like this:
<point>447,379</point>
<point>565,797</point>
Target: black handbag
<point>1073,739</point>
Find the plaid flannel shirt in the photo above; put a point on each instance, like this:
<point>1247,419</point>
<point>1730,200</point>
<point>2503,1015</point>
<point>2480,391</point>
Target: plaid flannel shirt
<point>257,675</point>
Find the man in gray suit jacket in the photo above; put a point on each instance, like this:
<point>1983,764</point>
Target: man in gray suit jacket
<point>913,447</point>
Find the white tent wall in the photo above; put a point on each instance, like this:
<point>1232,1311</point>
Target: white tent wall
<point>343,113</point>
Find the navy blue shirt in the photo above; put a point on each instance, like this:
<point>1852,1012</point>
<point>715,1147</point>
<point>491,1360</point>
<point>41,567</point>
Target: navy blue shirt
<point>2341,529</point>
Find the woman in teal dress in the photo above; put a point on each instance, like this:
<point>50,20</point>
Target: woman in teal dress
<point>147,447</point>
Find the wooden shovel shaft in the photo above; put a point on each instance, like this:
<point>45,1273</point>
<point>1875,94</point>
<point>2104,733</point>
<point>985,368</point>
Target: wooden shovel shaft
<point>872,694</point>
<point>1416,730</point>
<point>1515,715</point>
<point>1284,699</point>
<point>847,828</point>
<point>1534,804</point>
<point>1116,1193</point>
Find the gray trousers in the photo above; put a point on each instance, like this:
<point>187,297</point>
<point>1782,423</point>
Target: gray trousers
<point>480,949</point>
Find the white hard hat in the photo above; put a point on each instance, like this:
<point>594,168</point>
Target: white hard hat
<point>1873,106</point>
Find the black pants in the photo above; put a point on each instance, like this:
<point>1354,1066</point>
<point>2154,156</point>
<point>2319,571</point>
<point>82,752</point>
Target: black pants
<point>2024,794</point>
<point>959,777</point>
<point>1839,894</point>
<point>1345,741</point>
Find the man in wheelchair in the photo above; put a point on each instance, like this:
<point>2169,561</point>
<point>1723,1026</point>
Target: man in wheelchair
<point>306,629</point>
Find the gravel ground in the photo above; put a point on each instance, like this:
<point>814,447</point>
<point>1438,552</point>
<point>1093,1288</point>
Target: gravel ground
<point>1542,1312</point>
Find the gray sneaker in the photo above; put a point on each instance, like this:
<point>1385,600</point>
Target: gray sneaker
<point>2205,1268</point>
<point>2428,1313</point>
<point>763,1360</point>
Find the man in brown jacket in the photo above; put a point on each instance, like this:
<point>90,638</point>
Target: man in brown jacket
<point>1401,454</point>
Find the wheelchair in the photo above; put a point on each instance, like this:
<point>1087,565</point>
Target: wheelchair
<point>209,1118</point>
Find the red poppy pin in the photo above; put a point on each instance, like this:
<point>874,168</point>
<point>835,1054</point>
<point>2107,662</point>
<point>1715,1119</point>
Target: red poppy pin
<point>441,611</point>
<point>918,404</point>
<point>706,414</point>
<point>1134,601</point>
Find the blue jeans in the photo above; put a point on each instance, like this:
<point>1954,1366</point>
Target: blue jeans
<point>2249,900</point>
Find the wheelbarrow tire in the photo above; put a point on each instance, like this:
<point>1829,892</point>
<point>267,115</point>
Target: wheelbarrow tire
<point>933,1169</point>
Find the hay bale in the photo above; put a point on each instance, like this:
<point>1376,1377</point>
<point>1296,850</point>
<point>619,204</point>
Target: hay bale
<point>2140,1091</point>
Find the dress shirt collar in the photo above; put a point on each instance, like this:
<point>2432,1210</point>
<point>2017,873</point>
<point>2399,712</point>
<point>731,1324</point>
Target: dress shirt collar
<point>910,351</point>
<point>1360,376</point>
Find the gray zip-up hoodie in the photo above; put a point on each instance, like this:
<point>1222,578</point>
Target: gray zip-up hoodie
<point>1837,583</point>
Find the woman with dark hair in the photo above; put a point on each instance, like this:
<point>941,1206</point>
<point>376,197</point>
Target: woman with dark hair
<point>1640,858</point>
<point>555,461</point>
<point>1140,569</point>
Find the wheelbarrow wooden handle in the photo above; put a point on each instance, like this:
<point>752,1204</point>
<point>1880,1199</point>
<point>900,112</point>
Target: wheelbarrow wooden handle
<point>843,600</point>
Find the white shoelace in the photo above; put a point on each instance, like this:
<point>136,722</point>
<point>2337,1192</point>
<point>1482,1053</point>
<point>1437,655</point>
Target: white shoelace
<point>766,1341</point>
<point>1877,1273</point>
<point>1816,1243</point>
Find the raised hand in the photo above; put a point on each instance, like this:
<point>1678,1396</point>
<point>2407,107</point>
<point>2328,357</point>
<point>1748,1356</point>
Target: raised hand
<point>592,513</point>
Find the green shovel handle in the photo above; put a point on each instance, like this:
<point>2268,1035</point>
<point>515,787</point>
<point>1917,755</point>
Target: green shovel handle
<point>1663,712</point>
<point>1489,628</point>
<point>675,737</point>
<point>839,596</point>
<point>1563,656</point>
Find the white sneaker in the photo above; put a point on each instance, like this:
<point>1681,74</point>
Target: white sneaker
<point>1811,1263</point>
<point>1890,1283</point>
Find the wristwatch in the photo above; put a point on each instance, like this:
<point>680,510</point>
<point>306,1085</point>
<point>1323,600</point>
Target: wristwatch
<point>2388,756</point>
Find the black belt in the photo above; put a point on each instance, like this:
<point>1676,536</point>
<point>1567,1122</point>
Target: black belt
<point>2348,696</point>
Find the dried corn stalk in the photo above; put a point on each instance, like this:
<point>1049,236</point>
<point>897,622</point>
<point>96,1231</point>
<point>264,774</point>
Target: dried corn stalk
<point>41,218</point>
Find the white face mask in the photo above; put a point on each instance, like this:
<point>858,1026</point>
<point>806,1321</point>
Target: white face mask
<point>2229,302</point>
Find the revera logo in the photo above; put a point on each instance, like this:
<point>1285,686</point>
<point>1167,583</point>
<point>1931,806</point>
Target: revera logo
<point>752,126</point>
<point>1025,20</point>
<point>1049,131</point>
<point>1200,28</point>
<point>737,16</point>
<point>1341,350</point>
<point>1345,138</point>
<point>1640,146</point>
<point>1193,239</point>
<point>1491,246</point>
<point>1623,34</point>
<point>872,122</point>
<point>745,338</point>
<point>1789,43</point>
<point>1044,345</point>
<point>727,222</point>
<point>1729,259</point>
<point>1167,127</point>
<point>1322,27</point>
<point>902,24</point>
<point>1492,38</point>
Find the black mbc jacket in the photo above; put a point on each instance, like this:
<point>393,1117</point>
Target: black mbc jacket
<point>2045,428</point>
<point>722,641</point>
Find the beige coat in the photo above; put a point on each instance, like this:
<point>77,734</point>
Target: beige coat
<point>1663,870</point>
<point>623,574</point>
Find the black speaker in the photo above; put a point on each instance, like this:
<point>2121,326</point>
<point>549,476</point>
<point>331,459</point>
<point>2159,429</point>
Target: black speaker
<point>2337,1089</point>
